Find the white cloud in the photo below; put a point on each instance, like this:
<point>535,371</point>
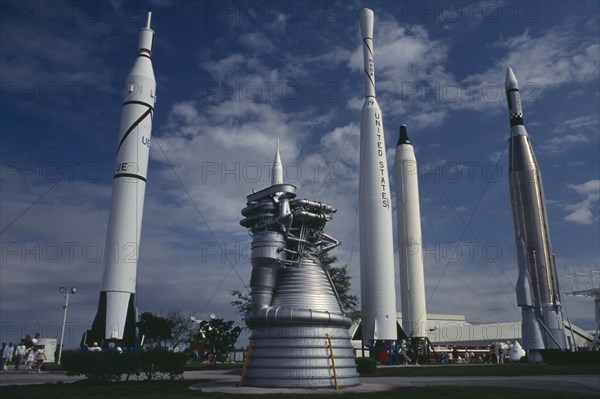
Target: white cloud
<point>496,156</point>
<point>564,54</point>
<point>467,16</point>
<point>580,213</point>
<point>429,119</point>
<point>565,141</point>
<point>412,79</point>
<point>591,187</point>
<point>576,131</point>
<point>231,65</point>
<point>583,121</point>
<point>258,42</point>
<point>585,211</point>
<point>185,110</point>
<point>221,152</point>
<point>344,142</point>
<point>408,68</point>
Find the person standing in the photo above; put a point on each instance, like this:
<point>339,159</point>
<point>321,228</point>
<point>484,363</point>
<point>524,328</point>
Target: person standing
<point>4,352</point>
<point>467,357</point>
<point>455,355</point>
<point>95,348</point>
<point>40,358</point>
<point>21,352</point>
<point>499,354</point>
<point>7,354</point>
<point>30,358</point>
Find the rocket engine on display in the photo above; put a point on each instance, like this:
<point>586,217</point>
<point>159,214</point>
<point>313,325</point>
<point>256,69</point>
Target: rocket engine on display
<point>410,243</point>
<point>537,288</point>
<point>378,291</point>
<point>116,315</point>
<point>300,335</point>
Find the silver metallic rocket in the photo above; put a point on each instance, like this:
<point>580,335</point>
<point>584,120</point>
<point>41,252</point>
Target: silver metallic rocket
<point>378,294</point>
<point>116,318</point>
<point>537,289</point>
<point>410,244</point>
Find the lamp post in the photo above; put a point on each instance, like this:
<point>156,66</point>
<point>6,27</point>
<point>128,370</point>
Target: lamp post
<point>66,293</point>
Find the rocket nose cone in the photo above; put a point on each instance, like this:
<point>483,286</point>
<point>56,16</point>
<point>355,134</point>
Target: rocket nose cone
<point>366,22</point>
<point>277,154</point>
<point>149,17</point>
<point>403,139</point>
<point>277,171</point>
<point>511,81</point>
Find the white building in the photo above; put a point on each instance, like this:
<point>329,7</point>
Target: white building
<point>455,330</point>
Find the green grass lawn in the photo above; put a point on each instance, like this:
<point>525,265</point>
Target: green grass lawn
<point>180,390</point>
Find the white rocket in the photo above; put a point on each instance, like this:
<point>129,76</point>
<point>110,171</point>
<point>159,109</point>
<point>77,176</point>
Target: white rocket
<point>537,288</point>
<point>378,295</point>
<point>410,244</point>
<point>116,316</point>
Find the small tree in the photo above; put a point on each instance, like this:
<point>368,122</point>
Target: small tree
<point>169,331</point>
<point>219,335</point>
<point>154,328</point>
<point>242,302</point>
<point>181,327</point>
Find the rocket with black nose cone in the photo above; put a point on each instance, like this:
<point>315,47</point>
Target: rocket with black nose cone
<point>116,316</point>
<point>537,288</point>
<point>378,295</point>
<point>410,245</point>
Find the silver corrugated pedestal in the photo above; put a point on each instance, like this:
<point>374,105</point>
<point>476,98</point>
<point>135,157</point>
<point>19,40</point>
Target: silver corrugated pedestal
<point>297,355</point>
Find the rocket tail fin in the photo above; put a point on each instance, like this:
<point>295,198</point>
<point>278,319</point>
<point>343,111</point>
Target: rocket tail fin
<point>523,288</point>
<point>97,332</point>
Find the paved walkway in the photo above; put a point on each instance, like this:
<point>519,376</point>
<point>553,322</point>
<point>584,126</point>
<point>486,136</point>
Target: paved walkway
<point>29,377</point>
<point>225,383</point>
<point>588,384</point>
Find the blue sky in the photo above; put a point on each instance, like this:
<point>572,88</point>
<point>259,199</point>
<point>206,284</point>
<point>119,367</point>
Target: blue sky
<point>232,77</point>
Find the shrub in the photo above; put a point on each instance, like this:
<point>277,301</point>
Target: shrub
<point>98,366</point>
<point>366,364</point>
<point>167,363</point>
<point>110,366</point>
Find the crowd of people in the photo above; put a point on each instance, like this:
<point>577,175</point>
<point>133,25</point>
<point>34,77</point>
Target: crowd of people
<point>112,346</point>
<point>27,355</point>
<point>493,354</point>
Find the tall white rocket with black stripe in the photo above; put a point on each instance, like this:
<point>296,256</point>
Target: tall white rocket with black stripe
<point>378,291</point>
<point>116,316</point>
